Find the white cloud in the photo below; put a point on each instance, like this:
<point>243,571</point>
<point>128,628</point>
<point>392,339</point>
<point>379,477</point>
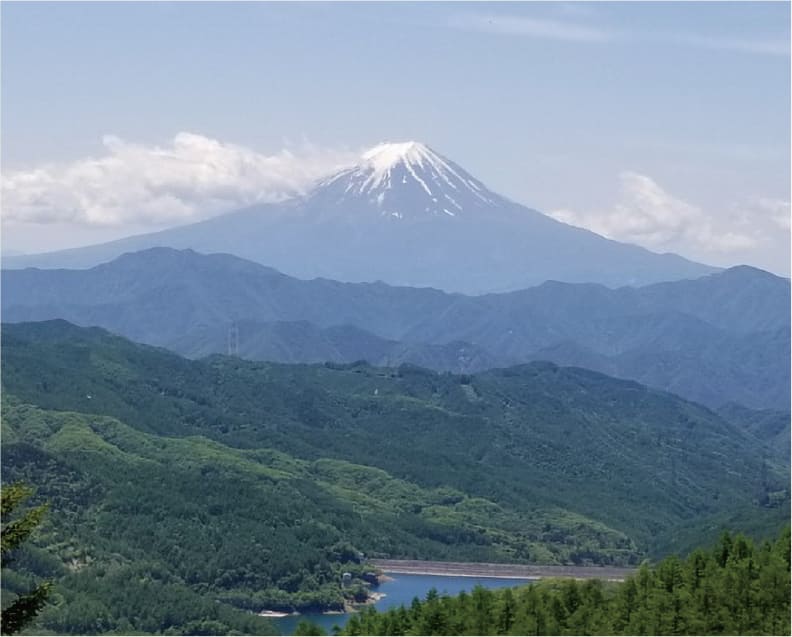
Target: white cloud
<point>191,178</point>
<point>567,30</point>
<point>531,27</point>
<point>776,210</point>
<point>648,215</point>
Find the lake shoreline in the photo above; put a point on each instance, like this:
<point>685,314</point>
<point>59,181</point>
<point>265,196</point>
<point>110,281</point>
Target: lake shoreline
<point>435,573</point>
<point>349,607</point>
<point>467,570</point>
<point>274,614</point>
<point>373,598</point>
<point>395,591</point>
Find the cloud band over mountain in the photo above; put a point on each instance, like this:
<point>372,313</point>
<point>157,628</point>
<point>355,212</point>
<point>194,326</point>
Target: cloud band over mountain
<point>649,215</point>
<point>191,178</point>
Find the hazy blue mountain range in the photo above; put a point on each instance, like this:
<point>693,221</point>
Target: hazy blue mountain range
<point>407,216</point>
<point>717,339</point>
<point>304,342</point>
<point>771,425</point>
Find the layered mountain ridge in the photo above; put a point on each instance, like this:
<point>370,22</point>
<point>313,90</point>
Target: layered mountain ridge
<point>209,490</point>
<point>717,339</point>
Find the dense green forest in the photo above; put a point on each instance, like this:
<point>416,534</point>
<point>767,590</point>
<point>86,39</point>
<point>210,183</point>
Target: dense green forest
<point>643,462</point>
<point>736,588</point>
<point>185,496</point>
<point>137,518</point>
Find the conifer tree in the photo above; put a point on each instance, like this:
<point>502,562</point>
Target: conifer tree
<point>15,530</point>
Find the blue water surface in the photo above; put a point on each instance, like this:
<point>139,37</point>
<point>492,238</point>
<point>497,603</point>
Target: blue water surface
<point>401,591</point>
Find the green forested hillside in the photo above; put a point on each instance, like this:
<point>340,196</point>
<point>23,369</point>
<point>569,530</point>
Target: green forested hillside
<point>256,484</point>
<point>736,588</point>
<point>136,518</point>
<point>639,460</point>
<point>770,425</point>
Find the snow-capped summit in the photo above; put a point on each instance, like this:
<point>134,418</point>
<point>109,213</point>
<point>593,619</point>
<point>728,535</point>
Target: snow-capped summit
<point>407,180</point>
<point>383,156</point>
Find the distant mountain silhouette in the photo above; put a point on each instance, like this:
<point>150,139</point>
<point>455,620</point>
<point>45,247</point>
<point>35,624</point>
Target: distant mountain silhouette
<point>717,339</point>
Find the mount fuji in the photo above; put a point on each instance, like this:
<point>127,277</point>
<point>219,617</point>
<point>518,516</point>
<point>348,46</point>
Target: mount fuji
<point>405,215</point>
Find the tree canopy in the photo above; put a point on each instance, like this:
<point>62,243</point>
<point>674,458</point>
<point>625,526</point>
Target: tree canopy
<point>735,588</point>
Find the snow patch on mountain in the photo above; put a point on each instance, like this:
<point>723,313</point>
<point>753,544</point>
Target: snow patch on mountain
<point>407,180</point>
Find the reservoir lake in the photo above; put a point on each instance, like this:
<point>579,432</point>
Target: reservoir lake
<point>401,590</point>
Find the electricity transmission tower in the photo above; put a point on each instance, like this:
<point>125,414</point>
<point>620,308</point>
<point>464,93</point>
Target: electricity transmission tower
<point>233,340</point>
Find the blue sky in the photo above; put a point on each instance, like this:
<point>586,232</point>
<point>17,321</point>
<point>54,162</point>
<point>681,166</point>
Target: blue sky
<point>676,115</point>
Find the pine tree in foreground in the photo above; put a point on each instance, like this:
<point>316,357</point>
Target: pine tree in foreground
<point>15,530</point>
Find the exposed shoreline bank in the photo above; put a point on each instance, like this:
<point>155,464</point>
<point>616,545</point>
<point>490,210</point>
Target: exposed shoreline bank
<point>501,571</point>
